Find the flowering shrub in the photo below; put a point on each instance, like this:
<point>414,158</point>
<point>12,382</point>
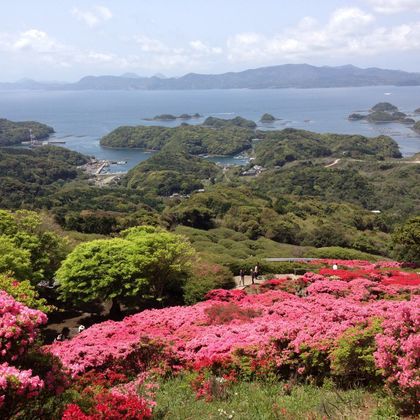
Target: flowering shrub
<point>18,331</point>
<point>18,327</point>
<point>357,263</point>
<point>398,353</point>
<point>17,384</point>
<point>290,285</point>
<point>211,387</point>
<point>23,292</point>
<point>326,327</point>
<point>110,406</point>
<point>222,295</point>
<point>224,313</point>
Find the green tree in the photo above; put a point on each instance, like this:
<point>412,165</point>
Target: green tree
<point>406,241</point>
<point>146,262</point>
<point>13,259</point>
<point>28,249</point>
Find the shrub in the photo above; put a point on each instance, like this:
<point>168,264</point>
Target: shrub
<point>206,276</point>
<point>341,253</point>
<point>224,313</point>
<point>353,360</point>
<point>110,406</point>
<point>23,292</point>
<point>398,354</point>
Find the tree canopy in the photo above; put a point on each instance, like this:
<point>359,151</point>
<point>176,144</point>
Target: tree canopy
<point>407,241</point>
<point>27,248</point>
<point>146,262</point>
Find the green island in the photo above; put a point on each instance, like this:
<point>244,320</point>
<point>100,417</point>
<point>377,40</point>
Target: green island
<point>383,112</point>
<point>13,133</point>
<point>171,117</point>
<point>267,118</point>
<point>157,253</point>
<point>196,140</point>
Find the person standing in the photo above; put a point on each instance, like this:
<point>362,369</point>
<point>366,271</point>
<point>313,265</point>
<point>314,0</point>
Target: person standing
<point>256,271</point>
<point>252,275</point>
<point>242,275</point>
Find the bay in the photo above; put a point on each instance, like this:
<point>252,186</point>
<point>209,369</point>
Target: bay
<point>81,118</point>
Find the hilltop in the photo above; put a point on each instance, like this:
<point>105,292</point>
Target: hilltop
<point>12,133</point>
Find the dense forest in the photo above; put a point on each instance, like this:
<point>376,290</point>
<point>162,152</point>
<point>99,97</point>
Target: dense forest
<point>12,133</point>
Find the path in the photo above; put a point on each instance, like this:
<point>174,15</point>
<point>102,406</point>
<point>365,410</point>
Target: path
<point>332,164</point>
<point>248,281</point>
<point>261,279</point>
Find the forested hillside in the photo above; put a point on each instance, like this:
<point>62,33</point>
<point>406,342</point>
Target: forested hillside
<point>12,133</point>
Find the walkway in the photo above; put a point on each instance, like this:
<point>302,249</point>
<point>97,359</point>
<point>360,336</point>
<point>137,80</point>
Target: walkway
<point>332,164</point>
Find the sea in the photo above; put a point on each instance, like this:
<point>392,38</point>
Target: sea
<point>81,118</point>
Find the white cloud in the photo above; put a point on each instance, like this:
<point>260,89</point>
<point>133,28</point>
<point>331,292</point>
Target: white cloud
<point>348,32</point>
<point>200,47</point>
<point>94,16</point>
<point>395,6</point>
<point>154,54</point>
<point>150,45</point>
<point>37,46</point>
<point>33,40</point>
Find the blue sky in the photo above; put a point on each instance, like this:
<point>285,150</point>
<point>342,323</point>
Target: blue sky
<point>65,40</point>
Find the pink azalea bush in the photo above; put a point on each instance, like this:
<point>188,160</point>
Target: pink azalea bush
<point>357,263</point>
<point>398,350</point>
<point>309,326</point>
<point>18,330</point>
<point>18,327</point>
<point>18,383</point>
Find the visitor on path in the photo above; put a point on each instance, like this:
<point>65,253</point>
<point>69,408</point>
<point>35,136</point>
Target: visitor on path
<point>81,328</point>
<point>335,266</point>
<point>64,335</point>
<point>252,275</point>
<point>257,271</point>
<point>242,274</point>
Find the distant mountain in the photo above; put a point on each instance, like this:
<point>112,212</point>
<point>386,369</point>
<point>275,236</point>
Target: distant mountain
<point>29,84</point>
<point>284,76</point>
<point>130,75</point>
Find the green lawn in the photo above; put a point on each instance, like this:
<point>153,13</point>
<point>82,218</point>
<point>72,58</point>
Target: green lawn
<point>256,400</point>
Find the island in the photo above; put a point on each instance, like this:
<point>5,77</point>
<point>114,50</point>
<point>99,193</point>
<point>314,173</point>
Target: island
<point>384,106</point>
<point>416,127</point>
<point>233,122</point>
<point>228,140</point>
<point>268,118</point>
<point>417,111</point>
<point>170,117</point>
<point>383,112</point>
<point>13,133</point>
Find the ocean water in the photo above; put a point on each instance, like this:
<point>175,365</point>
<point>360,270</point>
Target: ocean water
<point>81,118</point>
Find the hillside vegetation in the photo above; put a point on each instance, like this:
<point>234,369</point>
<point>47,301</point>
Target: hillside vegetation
<point>278,147</point>
<point>12,133</point>
<point>196,140</point>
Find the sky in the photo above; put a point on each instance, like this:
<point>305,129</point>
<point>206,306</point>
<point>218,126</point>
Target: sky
<point>65,40</point>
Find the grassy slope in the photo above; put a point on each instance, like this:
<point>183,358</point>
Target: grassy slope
<point>254,400</point>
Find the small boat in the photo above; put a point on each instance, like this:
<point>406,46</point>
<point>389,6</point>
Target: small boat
<point>122,162</point>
